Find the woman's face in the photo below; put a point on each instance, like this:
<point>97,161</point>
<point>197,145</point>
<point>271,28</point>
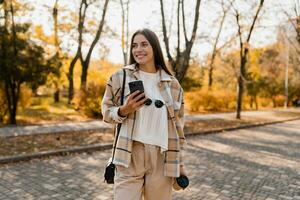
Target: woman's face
<point>142,50</point>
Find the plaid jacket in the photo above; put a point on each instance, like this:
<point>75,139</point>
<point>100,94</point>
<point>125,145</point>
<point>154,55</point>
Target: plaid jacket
<point>172,94</point>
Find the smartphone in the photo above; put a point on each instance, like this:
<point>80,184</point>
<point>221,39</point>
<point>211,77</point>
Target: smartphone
<point>136,85</point>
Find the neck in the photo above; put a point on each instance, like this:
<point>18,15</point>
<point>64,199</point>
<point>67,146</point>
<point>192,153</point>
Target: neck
<point>148,67</point>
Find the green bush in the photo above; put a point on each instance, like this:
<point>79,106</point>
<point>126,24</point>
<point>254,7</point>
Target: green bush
<point>89,101</point>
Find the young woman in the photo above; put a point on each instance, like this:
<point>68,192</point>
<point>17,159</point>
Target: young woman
<point>148,153</point>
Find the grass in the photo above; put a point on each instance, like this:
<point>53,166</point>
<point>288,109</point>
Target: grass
<point>44,110</point>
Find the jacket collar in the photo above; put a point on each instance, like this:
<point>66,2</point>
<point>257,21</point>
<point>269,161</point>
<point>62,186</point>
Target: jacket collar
<point>163,75</point>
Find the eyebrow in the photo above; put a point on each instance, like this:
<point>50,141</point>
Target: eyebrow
<point>140,42</point>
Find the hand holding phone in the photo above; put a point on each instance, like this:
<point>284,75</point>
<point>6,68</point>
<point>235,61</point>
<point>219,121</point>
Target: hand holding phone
<point>135,100</point>
<point>136,86</point>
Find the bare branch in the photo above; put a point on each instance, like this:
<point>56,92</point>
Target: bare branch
<point>214,52</point>
<point>239,32</point>
<point>291,20</point>
<point>166,39</point>
<point>254,20</point>
<point>124,43</point>
<point>183,22</point>
<point>197,9</point>
<point>99,31</point>
<point>171,17</point>
<point>293,45</point>
<point>178,29</point>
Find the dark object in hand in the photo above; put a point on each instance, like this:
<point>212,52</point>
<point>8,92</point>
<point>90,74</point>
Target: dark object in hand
<point>109,174</point>
<point>136,85</point>
<point>182,181</point>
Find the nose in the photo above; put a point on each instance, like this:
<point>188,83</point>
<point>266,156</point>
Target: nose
<point>138,48</point>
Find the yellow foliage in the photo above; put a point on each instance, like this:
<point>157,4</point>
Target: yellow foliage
<point>25,97</point>
<point>40,34</point>
<point>3,104</point>
<point>205,100</point>
<point>101,70</point>
<point>66,27</point>
<point>89,101</point>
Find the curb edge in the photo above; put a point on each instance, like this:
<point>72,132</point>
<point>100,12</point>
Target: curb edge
<point>101,147</point>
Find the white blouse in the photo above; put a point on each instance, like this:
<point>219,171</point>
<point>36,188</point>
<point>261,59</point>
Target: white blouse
<point>151,125</point>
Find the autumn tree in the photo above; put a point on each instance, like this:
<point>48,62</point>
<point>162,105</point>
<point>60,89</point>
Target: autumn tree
<point>216,40</point>
<point>57,56</point>
<point>22,61</point>
<point>244,48</point>
<point>84,4</point>
<point>290,36</point>
<point>255,80</point>
<point>125,29</point>
<point>272,73</point>
<point>180,62</point>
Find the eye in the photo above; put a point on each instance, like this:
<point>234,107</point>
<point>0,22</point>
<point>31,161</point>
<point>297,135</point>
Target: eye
<point>134,45</point>
<point>144,44</point>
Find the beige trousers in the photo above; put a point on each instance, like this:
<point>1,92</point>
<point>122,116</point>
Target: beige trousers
<point>144,178</point>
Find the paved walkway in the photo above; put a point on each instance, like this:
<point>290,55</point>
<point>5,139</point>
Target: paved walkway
<point>98,125</point>
<point>260,163</point>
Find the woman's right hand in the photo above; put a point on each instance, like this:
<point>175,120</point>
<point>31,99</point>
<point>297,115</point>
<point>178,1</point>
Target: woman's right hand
<point>132,104</point>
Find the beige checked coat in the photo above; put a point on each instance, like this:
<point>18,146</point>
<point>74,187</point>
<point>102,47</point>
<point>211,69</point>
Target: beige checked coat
<point>172,94</point>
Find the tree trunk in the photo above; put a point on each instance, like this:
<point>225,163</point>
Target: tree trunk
<point>12,92</point>
<point>70,78</point>
<point>182,63</point>
<point>255,101</point>
<point>71,84</point>
<point>82,11</point>
<point>240,90</point>
<point>56,81</point>
<point>15,99</point>
<point>13,87</point>
<point>84,74</point>
<point>56,94</point>
<point>210,75</point>
<point>239,97</point>
<point>244,50</point>
<point>274,102</point>
<point>124,39</point>
<point>251,102</point>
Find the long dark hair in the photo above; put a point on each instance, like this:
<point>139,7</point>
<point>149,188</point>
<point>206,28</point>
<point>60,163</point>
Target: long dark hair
<point>157,52</point>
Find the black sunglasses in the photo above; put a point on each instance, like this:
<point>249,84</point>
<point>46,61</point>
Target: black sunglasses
<point>157,103</point>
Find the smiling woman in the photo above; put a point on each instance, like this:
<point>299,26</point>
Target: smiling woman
<point>148,147</point>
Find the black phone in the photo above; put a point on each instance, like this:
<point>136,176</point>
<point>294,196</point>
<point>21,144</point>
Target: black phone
<point>136,85</point>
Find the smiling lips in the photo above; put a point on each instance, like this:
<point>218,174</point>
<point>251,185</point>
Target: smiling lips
<point>140,55</point>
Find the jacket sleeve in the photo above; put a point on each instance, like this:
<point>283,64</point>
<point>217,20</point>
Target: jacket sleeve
<point>179,115</point>
<point>111,99</point>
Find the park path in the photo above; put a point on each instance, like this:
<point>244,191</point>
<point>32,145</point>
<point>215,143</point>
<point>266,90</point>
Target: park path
<point>100,126</point>
<point>259,163</point>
